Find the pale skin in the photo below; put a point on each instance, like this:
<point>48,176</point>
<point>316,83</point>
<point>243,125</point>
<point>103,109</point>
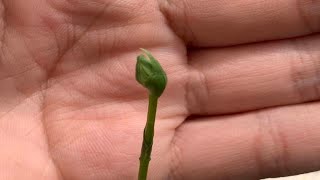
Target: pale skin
<point>237,105</point>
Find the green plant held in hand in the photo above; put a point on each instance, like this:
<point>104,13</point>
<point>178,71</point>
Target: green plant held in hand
<point>149,74</point>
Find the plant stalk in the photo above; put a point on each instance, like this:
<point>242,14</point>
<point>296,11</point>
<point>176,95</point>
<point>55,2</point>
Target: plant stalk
<point>148,138</point>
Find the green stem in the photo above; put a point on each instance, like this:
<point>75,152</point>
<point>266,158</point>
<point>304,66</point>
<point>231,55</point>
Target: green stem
<point>148,138</point>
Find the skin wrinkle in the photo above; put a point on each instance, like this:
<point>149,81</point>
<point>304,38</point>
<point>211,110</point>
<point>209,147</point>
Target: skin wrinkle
<point>33,67</point>
<point>279,140</point>
<point>316,62</point>
<point>11,76</point>
<point>28,68</point>
<point>303,16</point>
<point>43,91</point>
<point>10,110</point>
<point>28,96</point>
<point>112,50</point>
<point>175,172</point>
<point>57,45</point>
<point>304,10</point>
<point>257,141</point>
<point>84,93</point>
<point>181,28</point>
<point>45,127</point>
<point>87,15</point>
<point>175,157</point>
<point>3,45</point>
<point>196,101</point>
<point>317,65</point>
<point>187,28</point>
<point>45,87</point>
<point>268,128</point>
<point>70,6</point>
<point>51,72</point>
<point>299,76</point>
<point>40,124</point>
<point>4,24</point>
<point>75,40</point>
<point>317,75</point>
<point>175,150</point>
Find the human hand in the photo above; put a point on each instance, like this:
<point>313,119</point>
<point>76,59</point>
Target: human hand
<point>236,107</point>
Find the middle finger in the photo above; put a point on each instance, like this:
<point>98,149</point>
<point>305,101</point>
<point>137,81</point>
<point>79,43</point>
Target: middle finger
<point>250,77</point>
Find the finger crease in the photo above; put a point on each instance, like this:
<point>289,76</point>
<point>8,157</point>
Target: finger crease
<point>75,41</point>
<point>175,158</point>
<point>305,73</point>
<point>197,91</point>
<point>270,148</point>
<point>178,19</point>
<point>3,25</point>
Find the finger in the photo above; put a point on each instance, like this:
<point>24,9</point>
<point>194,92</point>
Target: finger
<point>221,23</point>
<point>270,143</point>
<point>251,77</point>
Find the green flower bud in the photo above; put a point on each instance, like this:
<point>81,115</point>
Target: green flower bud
<point>150,74</point>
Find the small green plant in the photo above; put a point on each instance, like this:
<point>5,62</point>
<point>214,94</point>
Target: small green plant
<point>149,74</point>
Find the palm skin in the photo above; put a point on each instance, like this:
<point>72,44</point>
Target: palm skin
<point>71,108</point>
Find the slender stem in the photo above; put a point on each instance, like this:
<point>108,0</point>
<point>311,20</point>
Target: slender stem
<point>148,138</point>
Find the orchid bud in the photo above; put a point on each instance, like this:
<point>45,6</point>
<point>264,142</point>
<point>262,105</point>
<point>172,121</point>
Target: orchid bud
<point>150,74</point>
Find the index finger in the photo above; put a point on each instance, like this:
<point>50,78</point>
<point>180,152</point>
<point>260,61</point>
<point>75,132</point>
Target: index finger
<point>220,23</point>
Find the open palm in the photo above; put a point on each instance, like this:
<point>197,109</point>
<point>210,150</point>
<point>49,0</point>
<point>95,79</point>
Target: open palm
<point>71,108</point>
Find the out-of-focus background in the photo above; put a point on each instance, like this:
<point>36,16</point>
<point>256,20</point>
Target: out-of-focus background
<point>309,176</point>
